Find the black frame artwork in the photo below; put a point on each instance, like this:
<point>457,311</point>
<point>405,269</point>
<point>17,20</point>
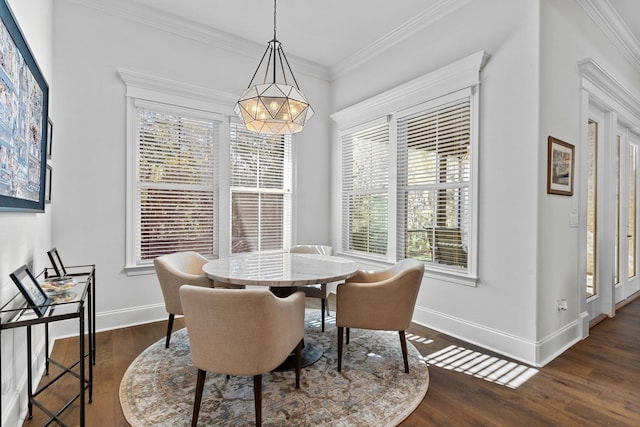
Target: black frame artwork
<point>24,99</point>
<point>31,290</point>
<point>47,185</point>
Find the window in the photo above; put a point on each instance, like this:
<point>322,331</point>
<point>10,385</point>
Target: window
<point>260,184</point>
<point>434,173</point>
<point>365,189</point>
<point>409,172</point>
<point>175,181</point>
<point>433,169</point>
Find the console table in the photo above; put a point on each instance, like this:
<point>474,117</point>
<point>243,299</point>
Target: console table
<point>16,314</point>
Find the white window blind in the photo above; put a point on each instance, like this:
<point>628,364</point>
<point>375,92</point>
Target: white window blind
<point>176,183</point>
<point>365,183</point>
<point>434,172</point>
<point>260,184</point>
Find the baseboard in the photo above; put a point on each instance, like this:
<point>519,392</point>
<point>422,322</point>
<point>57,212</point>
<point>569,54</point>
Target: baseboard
<point>533,353</point>
<point>108,320</point>
<point>492,339</point>
<point>115,319</point>
<point>557,343</point>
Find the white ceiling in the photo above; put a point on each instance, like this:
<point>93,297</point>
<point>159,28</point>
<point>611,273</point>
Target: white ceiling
<point>331,32</point>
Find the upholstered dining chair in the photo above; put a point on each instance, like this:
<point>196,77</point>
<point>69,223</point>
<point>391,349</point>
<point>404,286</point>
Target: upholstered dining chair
<point>175,270</point>
<point>241,332</point>
<point>320,290</point>
<point>380,300</point>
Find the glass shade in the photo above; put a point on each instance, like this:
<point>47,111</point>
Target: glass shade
<point>273,108</point>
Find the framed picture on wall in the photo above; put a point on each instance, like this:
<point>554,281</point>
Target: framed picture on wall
<point>560,161</point>
<point>47,185</point>
<point>36,298</point>
<point>49,137</point>
<point>24,97</point>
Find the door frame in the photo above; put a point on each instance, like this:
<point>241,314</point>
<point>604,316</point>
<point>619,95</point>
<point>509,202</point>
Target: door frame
<point>601,90</point>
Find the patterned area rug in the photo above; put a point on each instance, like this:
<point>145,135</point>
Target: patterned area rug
<point>158,388</point>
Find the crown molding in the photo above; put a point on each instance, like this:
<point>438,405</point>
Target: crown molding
<point>197,32</point>
<point>433,14</point>
<point>614,27</point>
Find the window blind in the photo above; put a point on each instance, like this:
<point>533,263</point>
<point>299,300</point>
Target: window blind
<point>365,182</point>
<point>260,183</point>
<point>434,172</point>
<point>176,184</point>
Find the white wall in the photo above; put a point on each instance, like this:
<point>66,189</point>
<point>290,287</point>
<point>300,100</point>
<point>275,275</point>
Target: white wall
<point>500,312</point>
<point>89,189</point>
<point>25,236</point>
<point>568,36</point>
<point>530,89</point>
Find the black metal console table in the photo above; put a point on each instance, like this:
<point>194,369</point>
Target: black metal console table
<point>14,314</point>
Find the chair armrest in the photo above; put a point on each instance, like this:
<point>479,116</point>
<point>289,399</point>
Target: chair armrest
<point>387,304</point>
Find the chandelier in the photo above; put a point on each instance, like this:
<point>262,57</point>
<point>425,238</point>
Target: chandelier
<point>272,107</point>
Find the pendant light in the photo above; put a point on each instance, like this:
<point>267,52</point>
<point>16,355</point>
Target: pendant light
<point>272,107</point>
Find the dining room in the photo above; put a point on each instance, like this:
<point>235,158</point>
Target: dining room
<point>427,134</point>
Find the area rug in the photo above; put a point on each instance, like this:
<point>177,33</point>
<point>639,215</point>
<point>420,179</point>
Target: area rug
<point>158,388</point>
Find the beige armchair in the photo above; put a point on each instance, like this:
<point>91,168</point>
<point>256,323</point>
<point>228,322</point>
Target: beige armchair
<point>241,332</point>
<point>381,300</point>
<point>320,290</point>
<point>175,270</point>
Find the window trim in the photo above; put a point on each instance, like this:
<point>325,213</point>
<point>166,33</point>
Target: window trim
<point>453,80</point>
<point>175,96</point>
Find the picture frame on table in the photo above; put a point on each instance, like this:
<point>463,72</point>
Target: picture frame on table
<point>560,167</point>
<point>24,112</point>
<point>31,290</point>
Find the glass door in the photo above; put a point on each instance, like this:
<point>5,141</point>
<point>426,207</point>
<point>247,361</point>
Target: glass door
<point>626,278</point>
<point>601,213</point>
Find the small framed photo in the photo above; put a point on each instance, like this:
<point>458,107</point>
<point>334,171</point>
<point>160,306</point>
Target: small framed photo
<point>31,290</point>
<point>49,137</point>
<point>560,161</point>
<point>47,185</point>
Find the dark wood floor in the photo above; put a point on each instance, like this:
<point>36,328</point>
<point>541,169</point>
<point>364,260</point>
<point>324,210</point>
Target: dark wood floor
<point>595,383</point>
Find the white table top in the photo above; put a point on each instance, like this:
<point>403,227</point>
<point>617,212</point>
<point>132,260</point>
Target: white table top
<point>279,269</point>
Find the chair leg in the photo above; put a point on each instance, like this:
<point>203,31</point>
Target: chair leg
<point>298,360</point>
<point>169,329</point>
<point>348,329</point>
<point>403,344</point>
<point>340,335</point>
<point>323,302</point>
<point>257,397</point>
<point>196,404</point>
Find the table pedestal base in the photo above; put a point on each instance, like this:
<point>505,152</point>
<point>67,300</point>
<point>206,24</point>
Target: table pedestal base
<point>311,353</point>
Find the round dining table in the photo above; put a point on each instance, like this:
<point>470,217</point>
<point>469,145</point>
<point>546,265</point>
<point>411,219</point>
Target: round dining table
<point>282,272</point>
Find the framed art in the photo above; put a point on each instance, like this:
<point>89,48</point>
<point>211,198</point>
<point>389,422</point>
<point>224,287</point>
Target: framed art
<point>49,137</point>
<point>31,290</point>
<point>47,185</point>
<point>56,262</point>
<point>560,161</point>
<point>24,97</point>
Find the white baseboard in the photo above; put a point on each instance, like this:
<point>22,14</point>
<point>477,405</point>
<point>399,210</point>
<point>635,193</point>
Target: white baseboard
<point>15,409</point>
<point>555,344</point>
<point>534,353</point>
<point>108,320</point>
